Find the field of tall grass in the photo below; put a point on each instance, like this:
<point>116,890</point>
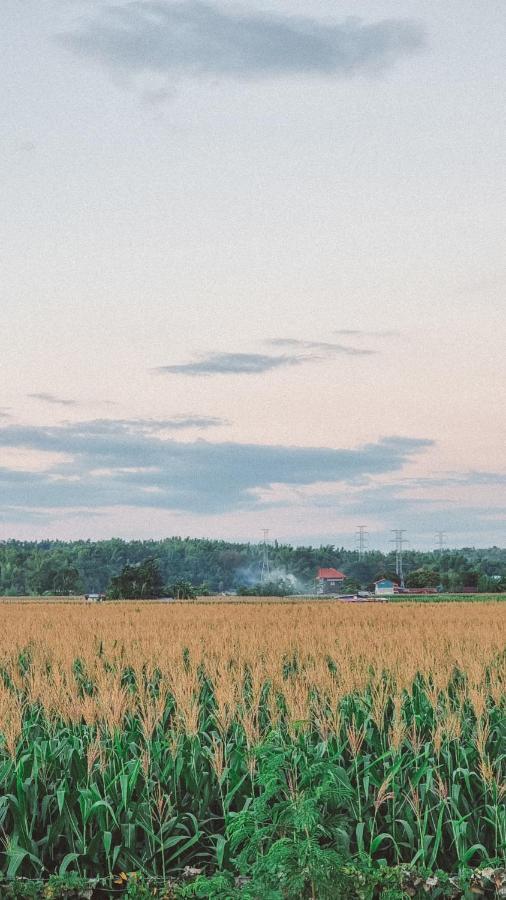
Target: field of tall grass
<point>265,745</point>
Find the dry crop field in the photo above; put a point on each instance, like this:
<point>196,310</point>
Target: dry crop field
<point>272,739</point>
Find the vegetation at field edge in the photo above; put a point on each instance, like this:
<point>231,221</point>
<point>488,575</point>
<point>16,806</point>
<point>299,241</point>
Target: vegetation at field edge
<point>78,567</point>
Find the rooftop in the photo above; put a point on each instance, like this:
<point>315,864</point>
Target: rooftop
<point>330,574</point>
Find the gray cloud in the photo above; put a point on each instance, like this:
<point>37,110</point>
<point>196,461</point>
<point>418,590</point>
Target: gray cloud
<point>426,515</point>
<point>449,479</point>
<point>53,399</point>
<point>206,38</point>
<point>26,516</point>
<point>257,363</point>
<point>13,514</point>
<point>126,467</point>
<point>175,423</point>
<point>325,347</point>
<point>421,516</point>
<point>232,364</point>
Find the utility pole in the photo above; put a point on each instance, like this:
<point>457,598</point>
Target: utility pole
<point>399,541</point>
<point>361,538</point>
<point>265,573</point>
<point>441,540</point>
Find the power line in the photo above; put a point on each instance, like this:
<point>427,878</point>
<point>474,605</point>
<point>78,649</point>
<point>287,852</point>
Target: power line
<point>399,540</point>
<point>265,572</point>
<point>361,537</point>
<point>441,540</point>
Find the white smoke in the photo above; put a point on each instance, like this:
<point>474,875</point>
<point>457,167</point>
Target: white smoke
<point>251,575</point>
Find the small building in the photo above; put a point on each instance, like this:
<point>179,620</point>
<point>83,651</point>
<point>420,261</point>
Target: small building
<point>329,581</point>
<point>384,587</point>
<point>94,598</point>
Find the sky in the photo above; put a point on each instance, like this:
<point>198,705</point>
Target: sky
<point>252,270</point>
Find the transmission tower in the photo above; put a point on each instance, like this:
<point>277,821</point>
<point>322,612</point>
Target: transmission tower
<point>265,572</point>
<point>441,540</point>
<point>399,541</point>
<point>361,540</point>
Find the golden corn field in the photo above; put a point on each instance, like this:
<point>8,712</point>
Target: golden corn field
<point>251,738</point>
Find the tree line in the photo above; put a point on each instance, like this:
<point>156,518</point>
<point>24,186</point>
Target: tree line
<point>78,567</point>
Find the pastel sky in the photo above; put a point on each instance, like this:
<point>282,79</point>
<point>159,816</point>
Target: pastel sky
<point>252,269</point>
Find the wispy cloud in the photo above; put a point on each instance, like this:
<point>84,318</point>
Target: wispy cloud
<point>53,399</point>
<point>421,505</point>
<point>321,347</point>
<point>150,426</point>
<point>466,519</point>
<point>181,422</point>
<point>24,516</point>
<point>306,351</point>
<point>232,364</point>
<point>104,467</point>
<point>199,38</point>
<point>452,479</point>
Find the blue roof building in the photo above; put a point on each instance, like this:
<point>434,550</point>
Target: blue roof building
<point>384,587</point>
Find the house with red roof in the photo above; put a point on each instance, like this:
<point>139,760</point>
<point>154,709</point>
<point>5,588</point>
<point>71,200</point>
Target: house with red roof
<point>329,581</point>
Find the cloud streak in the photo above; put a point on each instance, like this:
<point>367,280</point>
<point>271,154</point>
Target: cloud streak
<point>199,38</point>
<point>258,363</point>
<point>232,364</point>
<point>130,466</point>
<point>53,399</point>
<point>325,347</point>
<point>151,426</point>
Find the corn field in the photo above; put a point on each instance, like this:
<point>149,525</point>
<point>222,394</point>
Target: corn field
<point>274,739</point>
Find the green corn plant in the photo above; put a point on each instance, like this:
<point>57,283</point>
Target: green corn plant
<point>289,804</point>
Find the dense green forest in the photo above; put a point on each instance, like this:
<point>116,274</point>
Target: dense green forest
<point>85,566</point>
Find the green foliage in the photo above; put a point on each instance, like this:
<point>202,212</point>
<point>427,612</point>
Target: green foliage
<point>139,581</point>
<point>350,586</point>
<point>281,588</point>
<point>183,590</point>
<point>423,577</point>
<point>289,838</point>
<point>360,880</point>
<point>85,566</point>
<point>353,880</point>
<point>56,887</point>
<point>287,811</point>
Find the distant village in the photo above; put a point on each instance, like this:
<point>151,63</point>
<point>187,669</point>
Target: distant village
<point>331,582</point>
